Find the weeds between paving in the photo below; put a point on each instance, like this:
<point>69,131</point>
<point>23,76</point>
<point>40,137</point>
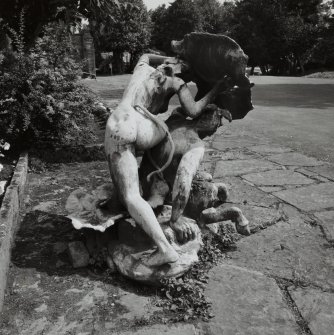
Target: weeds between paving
<point>185,295</point>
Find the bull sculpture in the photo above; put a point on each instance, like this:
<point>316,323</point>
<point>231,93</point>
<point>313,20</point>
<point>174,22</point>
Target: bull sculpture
<point>210,58</point>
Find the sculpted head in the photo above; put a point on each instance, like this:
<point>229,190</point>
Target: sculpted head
<point>237,100</point>
<point>209,121</point>
<point>173,67</point>
<point>178,47</point>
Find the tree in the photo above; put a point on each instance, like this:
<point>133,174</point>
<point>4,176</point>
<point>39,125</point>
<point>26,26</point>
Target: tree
<point>126,29</point>
<point>308,10</point>
<point>40,12</point>
<point>180,18</point>
<point>277,32</point>
<point>211,15</point>
<point>256,28</point>
<point>322,52</point>
<point>159,22</point>
<point>215,17</point>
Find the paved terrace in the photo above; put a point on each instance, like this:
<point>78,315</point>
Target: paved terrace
<point>277,163</point>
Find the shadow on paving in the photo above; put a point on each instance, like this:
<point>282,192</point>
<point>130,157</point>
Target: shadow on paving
<point>45,294</point>
<point>45,290</point>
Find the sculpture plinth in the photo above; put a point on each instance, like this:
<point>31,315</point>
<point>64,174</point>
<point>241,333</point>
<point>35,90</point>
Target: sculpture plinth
<point>129,246</point>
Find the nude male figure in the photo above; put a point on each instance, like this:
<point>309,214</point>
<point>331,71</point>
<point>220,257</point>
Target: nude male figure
<point>129,129</point>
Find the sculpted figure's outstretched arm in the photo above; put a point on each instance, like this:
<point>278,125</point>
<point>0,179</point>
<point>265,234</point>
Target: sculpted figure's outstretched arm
<point>191,107</point>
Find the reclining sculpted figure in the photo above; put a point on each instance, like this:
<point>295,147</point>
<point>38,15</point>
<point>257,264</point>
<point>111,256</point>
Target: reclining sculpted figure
<point>189,151</point>
<point>188,137</point>
<point>132,126</point>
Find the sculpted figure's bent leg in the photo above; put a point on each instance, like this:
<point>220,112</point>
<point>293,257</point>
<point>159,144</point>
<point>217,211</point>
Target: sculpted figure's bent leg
<point>181,190</point>
<point>211,215</point>
<point>124,173</point>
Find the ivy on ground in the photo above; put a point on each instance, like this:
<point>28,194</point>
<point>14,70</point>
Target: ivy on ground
<point>185,296</point>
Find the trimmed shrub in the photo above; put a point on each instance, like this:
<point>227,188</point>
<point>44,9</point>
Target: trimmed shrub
<point>41,98</point>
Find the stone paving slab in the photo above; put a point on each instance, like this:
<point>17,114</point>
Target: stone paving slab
<point>312,174</point>
<point>230,154</point>
<point>316,308</point>
<point>241,167</point>
<point>325,171</point>
<point>247,302</point>
<point>271,189</point>
<point>232,132</point>
<point>327,220</point>
<point>223,143</point>
<point>268,149</point>
<point>294,158</point>
<point>310,198</point>
<point>241,192</point>
<point>180,329</point>
<point>293,250</point>
<point>306,172</point>
<point>229,144</point>
<point>277,178</point>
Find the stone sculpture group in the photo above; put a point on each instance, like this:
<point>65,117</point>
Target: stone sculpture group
<point>159,204</point>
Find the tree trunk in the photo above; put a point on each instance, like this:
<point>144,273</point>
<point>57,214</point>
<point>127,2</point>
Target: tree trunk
<point>294,72</point>
<point>133,61</point>
<point>118,64</point>
<point>263,69</point>
<point>301,65</point>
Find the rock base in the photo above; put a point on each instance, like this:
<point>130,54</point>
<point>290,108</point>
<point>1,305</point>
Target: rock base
<point>129,247</point>
<point>130,260</point>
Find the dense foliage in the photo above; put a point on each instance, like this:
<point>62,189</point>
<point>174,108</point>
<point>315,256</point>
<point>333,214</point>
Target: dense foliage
<point>41,12</point>
<point>40,97</point>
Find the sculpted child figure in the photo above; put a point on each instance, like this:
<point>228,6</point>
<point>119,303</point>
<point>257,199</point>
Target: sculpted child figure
<point>132,127</point>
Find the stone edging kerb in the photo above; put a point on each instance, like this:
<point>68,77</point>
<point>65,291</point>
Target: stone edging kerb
<point>9,216</point>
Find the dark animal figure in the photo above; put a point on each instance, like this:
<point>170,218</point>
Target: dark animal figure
<point>211,58</point>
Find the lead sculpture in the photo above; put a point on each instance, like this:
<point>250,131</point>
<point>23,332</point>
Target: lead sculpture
<point>158,204</point>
